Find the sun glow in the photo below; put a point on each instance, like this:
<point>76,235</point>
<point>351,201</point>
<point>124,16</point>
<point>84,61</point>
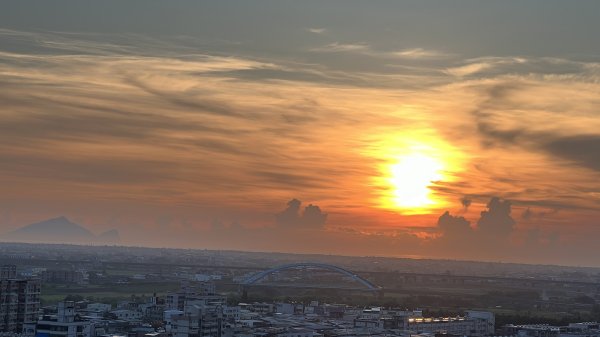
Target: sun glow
<point>411,165</point>
<point>411,178</point>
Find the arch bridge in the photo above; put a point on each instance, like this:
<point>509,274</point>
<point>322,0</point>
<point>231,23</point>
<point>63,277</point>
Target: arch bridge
<point>366,285</point>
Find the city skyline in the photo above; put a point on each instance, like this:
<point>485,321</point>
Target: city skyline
<point>414,128</point>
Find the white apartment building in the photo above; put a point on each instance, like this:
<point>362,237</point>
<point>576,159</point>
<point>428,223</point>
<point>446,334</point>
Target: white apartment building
<point>64,324</point>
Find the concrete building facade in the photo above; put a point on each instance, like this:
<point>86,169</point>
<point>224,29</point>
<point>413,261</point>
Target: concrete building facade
<point>64,324</point>
<point>19,301</point>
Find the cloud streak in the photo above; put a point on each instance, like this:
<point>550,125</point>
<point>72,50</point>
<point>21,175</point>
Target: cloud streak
<point>158,127</point>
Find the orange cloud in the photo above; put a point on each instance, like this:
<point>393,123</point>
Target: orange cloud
<point>120,134</point>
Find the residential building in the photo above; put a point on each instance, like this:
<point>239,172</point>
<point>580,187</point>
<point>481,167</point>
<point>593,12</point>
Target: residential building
<point>64,324</point>
<point>202,311</point>
<point>474,323</point>
<point>62,276</point>
<point>19,301</point>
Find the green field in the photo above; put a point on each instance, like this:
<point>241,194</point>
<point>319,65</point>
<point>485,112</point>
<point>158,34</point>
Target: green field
<point>111,294</point>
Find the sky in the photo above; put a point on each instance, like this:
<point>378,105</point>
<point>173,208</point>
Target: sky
<point>429,129</point>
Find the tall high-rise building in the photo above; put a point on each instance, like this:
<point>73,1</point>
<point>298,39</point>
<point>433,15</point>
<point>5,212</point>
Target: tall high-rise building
<point>19,301</point>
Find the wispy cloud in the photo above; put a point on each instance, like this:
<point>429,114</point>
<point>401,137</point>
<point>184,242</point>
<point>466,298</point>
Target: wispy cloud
<point>337,47</point>
<point>419,53</point>
<point>367,50</point>
<point>317,30</point>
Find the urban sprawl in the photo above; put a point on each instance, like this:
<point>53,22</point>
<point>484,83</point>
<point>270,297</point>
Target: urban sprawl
<point>197,309</point>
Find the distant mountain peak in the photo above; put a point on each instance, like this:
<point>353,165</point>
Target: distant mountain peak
<point>109,237</point>
<point>59,219</point>
<point>60,230</point>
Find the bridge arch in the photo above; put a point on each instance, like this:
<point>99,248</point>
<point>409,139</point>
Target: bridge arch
<point>260,275</point>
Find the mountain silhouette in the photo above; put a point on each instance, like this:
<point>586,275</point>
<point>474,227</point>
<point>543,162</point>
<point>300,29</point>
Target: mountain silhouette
<point>109,237</point>
<point>60,230</point>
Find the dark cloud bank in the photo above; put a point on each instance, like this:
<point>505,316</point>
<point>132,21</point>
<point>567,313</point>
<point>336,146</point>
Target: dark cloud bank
<point>495,236</point>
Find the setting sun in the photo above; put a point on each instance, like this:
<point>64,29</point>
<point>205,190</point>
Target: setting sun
<point>410,179</point>
<point>410,165</point>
